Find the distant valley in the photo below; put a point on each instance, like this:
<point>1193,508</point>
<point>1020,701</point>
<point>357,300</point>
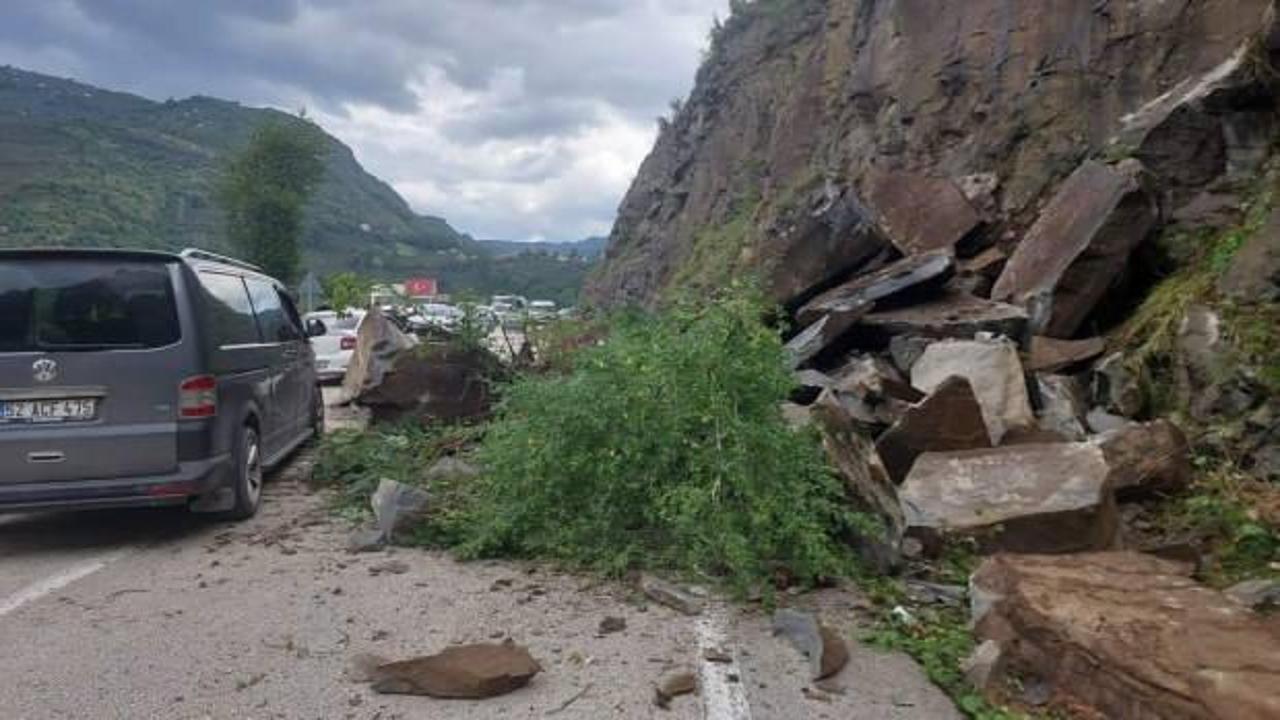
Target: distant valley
<point>85,167</point>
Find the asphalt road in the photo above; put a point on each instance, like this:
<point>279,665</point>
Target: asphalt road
<point>157,614</point>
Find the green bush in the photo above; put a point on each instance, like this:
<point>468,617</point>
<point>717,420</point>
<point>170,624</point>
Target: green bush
<point>665,447</point>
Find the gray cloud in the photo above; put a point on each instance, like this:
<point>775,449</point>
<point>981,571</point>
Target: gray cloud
<point>514,118</point>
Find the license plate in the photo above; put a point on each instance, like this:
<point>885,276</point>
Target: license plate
<point>322,364</point>
<point>48,411</point>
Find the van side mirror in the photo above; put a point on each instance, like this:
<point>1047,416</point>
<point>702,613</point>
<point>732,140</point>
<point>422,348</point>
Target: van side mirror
<point>316,328</point>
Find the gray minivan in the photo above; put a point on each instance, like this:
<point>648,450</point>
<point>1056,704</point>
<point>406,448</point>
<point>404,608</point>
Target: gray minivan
<point>138,378</point>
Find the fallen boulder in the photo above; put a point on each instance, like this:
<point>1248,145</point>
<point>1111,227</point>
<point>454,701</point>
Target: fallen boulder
<point>672,686</point>
<point>1146,457</point>
<point>873,392</point>
<point>1079,247</point>
<point>397,508</point>
<point>914,273</point>
<point>823,647</point>
<point>1061,406</point>
<point>1262,594</point>
<point>1051,355</point>
<point>824,331</point>
<point>951,314</point>
<point>378,343</point>
<point>1116,388</point>
<point>993,370</point>
<point>950,418</point>
<point>1050,498</point>
<point>1126,635</point>
<point>866,480</point>
<point>467,671</point>
<point>671,595</point>
<point>434,382</point>
<point>920,213</point>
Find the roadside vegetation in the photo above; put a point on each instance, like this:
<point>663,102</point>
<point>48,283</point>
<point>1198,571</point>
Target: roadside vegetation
<point>264,193</point>
<point>660,447</point>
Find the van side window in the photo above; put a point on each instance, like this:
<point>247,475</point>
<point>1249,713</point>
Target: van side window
<point>230,314</point>
<point>272,318</point>
<point>291,312</point>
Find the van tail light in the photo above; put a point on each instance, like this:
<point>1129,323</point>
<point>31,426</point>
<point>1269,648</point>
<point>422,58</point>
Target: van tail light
<point>348,342</point>
<point>198,397</point>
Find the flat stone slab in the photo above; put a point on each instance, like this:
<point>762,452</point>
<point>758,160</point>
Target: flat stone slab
<point>1052,355</point>
<point>1127,635</point>
<point>950,418</point>
<point>1079,246</point>
<point>953,314</point>
<point>918,212</point>
<point>1047,498</point>
<point>993,370</point>
<point>917,272</point>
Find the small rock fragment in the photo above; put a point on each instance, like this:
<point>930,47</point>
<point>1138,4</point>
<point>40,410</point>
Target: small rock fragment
<point>475,671</point>
<point>673,686</point>
<point>823,647</point>
<point>674,597</point>
<point>612,624</point>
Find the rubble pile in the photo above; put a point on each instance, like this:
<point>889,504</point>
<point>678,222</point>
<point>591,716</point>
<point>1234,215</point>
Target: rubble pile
<point>966,392</point>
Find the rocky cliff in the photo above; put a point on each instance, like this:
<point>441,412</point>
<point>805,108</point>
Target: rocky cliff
<point>826,136</point>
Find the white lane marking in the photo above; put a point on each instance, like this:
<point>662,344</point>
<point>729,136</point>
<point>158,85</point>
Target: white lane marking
<point>56,582</point>
<point>722,698</point>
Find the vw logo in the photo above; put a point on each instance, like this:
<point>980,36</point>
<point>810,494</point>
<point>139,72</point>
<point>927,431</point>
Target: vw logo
<point>44,370</point>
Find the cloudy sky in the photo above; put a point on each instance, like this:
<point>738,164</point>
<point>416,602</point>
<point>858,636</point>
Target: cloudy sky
<point>521,119</point>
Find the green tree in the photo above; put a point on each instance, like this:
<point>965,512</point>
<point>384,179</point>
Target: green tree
<point>265,190</point>
<point>347,290</point>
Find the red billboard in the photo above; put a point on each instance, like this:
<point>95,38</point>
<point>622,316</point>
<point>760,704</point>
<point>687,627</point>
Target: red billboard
<point>421,287</point>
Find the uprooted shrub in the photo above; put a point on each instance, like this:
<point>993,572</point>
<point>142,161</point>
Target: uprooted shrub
<point>663,448</point>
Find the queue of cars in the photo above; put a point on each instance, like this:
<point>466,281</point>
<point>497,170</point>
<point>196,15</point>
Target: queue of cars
<point>142,378</point>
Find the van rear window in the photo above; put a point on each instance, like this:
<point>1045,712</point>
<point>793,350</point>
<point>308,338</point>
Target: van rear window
<point>67,305</point>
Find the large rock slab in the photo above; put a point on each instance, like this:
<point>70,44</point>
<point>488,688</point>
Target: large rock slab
<point>819,243</point>
<point>993,370</point>
<point>865,478</point>
<point>950,418</point>
<point>1079,247</point>
<point>919,213</point>
<point>1049,498</point>
<point>1052,355</point>
<point>378,343</point>
<point>914,273</point>
<point>952,314</point>
<point>476,671</point>
<point>1126,635</point>
<point>825,330</point>
<point>434,382</point>
<point>1146,458</point>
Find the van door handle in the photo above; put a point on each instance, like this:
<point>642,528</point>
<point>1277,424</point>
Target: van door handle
<point>48,456</point>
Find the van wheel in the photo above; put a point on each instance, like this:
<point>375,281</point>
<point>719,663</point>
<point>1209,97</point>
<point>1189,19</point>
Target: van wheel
<point>248,480</point>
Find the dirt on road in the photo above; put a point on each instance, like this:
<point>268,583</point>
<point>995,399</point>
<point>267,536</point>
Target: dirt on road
<point>159,614</point>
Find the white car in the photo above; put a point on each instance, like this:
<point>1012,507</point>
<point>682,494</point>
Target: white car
<point>334,347</point>
<point>435,316</point>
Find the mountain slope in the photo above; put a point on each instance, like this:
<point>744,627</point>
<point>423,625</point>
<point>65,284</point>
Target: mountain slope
<point>81,166</point>
<point>588,248</point>
<point>769,165</point>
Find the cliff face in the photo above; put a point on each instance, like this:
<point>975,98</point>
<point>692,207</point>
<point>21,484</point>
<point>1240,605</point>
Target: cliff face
<point>823,135</point>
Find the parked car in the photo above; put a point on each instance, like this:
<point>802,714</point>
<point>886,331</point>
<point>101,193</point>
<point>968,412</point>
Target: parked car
<point>542,311</point>
<point>333,337</point>
<point>137,378</point>
<point>435,317</point>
